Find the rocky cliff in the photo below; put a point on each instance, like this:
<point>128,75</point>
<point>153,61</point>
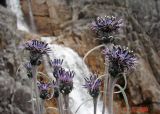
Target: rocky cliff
<point>68,21</point>
<point>14,94</point>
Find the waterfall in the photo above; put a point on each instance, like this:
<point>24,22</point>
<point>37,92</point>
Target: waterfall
<point>14,6</point>
<point>32,23</point>
<point>71,61</point>
<point>74,62</point>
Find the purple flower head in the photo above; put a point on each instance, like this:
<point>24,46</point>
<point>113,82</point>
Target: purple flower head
<point>56,62</point>
<point>120,60</point>
<point>93,85</point>
<point>65,81</point>
<point>36,46</point>
<point>105,26</point>
<point>45,90</point>
<point>44,86</point>
<point>57,65</point>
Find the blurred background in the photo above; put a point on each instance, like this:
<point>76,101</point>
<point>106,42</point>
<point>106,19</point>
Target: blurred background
<point>65,22</point>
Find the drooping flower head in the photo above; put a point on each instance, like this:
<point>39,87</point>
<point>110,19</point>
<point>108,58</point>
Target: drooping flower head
<point>120,60</point>
<point>45,90</point>
<point>105,26</point>
<point>28,67</point>
<point>65,81</point>
<point>57,65</point>
<point>93,85</point>
<point>36,48</point>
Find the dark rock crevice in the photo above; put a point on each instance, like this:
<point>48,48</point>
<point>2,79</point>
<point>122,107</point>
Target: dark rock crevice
<point>3,3</point>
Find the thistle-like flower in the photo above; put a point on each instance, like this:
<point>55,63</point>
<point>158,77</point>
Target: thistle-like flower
<point>65,81</point>
<point>28,67</point>
<point>120,60</point>
<point>105,26</point>
<point>57,65</point>
<point>45,89</point>
<point>93,85</point>
<point>36,48</point>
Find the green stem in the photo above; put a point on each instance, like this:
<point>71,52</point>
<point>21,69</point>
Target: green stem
<point>34,74</point>
<point>105,87</point>
<point>95,105</point>
<point>66,104</point>
<point>32,86</point>
<point>82,105</point>
<point>92,50</point>
<point>42,108</point>
<point>59,105</point>
<point>125,84</point>
<point>112,82</point>
<point>105,94</point>
<point>125,98</point>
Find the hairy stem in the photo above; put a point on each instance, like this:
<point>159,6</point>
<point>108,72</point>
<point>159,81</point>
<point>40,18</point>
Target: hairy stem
<point>66,104</point>
<point>125,97</point>
<point>92,50</point>
<point>32,101</point>
<point>125,85</point>
<point>95,105</point>
<point>59,105</point>
<point>112,82</point>
<point>105,87</point>
<point>105,94</point>
<point>82,105</point>
<point>42,109</point>
<point>34,74</point>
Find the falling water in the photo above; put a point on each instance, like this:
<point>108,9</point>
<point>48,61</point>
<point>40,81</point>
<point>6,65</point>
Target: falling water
<point>14,6</point>
<point>73,61</point>
<point>32,23</point>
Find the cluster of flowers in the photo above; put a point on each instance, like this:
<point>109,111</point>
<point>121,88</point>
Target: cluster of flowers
<point>120,59</point>
<point>64,78</point>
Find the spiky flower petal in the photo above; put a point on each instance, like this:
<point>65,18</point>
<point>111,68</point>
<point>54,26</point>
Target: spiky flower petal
<point>93,85</point>
<point>105,26</point>
<point>120,59</point>
<point>65,81</point>
<point>57,65</point>
<point>45,89</point>
<point>36,48</point>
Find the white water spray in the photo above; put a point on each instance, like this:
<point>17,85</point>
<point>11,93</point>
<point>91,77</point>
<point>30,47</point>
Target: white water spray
<point>79,94</point>
<point>15,7</point>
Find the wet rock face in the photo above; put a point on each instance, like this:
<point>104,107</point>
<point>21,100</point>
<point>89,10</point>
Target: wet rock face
<point>4,17</point>
<point>13,95</point>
